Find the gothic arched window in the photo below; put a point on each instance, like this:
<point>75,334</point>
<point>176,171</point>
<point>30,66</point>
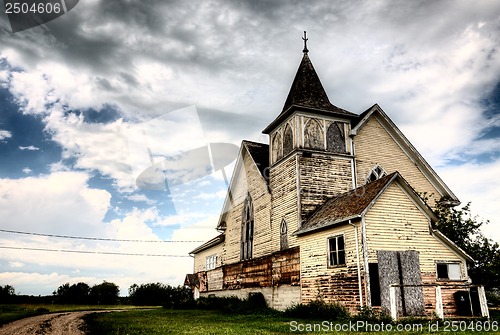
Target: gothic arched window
<point>335,139</point>
<point>283,235</point>
<point>247,227</point>
<point>277,148</point>
<point>376,173</point>
<point>287,140</point>
<point>313,135</point>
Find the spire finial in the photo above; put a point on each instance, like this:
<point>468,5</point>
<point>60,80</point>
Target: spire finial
<point>305,43</point>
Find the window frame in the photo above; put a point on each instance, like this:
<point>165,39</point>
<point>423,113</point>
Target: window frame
<point>337,252</point>
<point>448,263</point>
<point>247,229</point>
<point>378,171</point>
<point>211,262</point>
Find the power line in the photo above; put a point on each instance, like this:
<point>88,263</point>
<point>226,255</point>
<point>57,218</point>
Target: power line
<point>91,252</point>
<point>94,238</point>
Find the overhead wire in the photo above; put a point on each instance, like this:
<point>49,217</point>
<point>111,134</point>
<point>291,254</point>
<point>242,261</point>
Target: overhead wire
<point>95,238</point>
<point>91,252</point>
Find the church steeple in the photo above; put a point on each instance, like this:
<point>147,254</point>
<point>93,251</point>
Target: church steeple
<point>308,93</point>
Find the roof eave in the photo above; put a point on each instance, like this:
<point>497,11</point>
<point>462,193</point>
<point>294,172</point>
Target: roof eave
<point>300,232</point>
<point>209,244</point>
<point>298,108</point>
<point>452,245</point>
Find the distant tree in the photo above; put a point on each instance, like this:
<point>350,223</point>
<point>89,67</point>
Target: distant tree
<point>152,294</point>
<point>7,294</point>
<point>73,294</point>
<point>461,227</point>
<point>158,294</point>
<point>105,294</point>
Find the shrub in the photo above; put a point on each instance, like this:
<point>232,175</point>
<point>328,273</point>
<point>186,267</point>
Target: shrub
<point>255,303</point>
<point>318,309</point>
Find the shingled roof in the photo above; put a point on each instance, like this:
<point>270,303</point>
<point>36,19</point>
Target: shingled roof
<point>307,92</point>
<point>346,206</point>
<point>260,155</point>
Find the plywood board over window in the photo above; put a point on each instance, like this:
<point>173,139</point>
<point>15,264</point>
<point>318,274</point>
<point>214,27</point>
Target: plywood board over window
<point>287,140</point>
<point>401,268</point>
<point>313,135</point>
<point>335,138</point>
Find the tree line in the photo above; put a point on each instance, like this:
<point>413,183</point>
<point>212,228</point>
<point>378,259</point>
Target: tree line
<point>106,293</point>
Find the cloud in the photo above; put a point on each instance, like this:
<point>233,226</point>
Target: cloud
<point>29,148</point>
<point>140,198</point>
<point>5,134</point>
<point>48,204</point>
<point>479,184</point>
<point>27,170</point>
<point>235,62</point>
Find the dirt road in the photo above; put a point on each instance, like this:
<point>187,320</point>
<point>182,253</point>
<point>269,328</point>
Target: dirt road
<point>48,324</point>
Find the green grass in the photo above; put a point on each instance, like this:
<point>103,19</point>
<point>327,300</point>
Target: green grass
<point>163,321</point>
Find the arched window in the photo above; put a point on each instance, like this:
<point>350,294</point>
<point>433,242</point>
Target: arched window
<point>247,226</point>
<point>335,139</point>
<point>313,135</point>
<point>287,140</point>
<point>376,173</point>
<point>283,235</point>
<point>277,148</point>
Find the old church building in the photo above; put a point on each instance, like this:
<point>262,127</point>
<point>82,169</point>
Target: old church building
<point>331,208</point>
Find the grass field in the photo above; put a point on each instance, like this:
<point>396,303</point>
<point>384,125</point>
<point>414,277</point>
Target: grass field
<point>162,321</point>
<point>134,320</point>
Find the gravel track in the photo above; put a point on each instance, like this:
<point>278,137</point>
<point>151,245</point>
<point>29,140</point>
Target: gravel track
<point>68,323</point>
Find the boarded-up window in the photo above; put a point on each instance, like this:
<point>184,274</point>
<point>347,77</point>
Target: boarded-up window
<point>247,226</point>
<point>287,140</point>
<point>277,148</point>
<point>335,139</point>
<point>336,251</point>
<point>401,268</point>
<point>313,135</point>
<point>283,235</point>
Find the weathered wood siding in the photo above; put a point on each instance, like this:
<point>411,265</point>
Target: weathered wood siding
<point>277,269</point>
<point>322,176</point>
<point>249,180</point>
<point>395,223</point>
<point>283,184</point>
<point>200,258</point>
<point>373,145</point>
<point>332,284</point>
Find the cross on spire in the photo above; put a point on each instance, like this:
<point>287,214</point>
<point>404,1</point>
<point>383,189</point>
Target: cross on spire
<point>305,39</point>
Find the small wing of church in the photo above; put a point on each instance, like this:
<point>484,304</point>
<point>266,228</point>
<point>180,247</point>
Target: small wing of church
<point>331,209</point>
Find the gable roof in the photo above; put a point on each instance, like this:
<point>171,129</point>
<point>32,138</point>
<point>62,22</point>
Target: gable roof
<point>307,93</point>
<point>407,147</point>
<point>211,243</point>
<point>345,206</point>
<point>259,153</point>
<point>355,203</point>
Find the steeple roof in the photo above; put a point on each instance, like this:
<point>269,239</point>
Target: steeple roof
<point>307,93</point>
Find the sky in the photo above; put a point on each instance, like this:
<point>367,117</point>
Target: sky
<point>96,101</point>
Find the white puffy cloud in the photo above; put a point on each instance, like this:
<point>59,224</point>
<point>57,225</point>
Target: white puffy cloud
<point>29,148</point>
<point>60,202</point>
<point>479,184</point>
<point>5,134</point>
